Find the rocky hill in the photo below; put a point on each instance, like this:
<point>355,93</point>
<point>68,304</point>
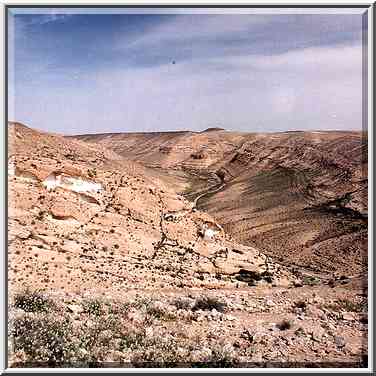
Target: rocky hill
<point>81,217</point>
<point>300,197</point>
<point>109,266</point>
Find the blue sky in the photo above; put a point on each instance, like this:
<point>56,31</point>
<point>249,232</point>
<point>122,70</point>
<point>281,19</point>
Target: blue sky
<point>88,73</point>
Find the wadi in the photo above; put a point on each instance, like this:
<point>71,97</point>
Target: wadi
<point>187,249</point>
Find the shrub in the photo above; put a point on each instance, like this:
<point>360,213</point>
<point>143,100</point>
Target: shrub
<point>132,339</point>
<point>221,358</point>
<point>182,303</point>
<point>153,309</point>
<point>159,312</point>
<point>311,281</point>
<point>92,173</point>
<point>157,352</point>
<point>43,338</point>
<point>299,332</point>
<point>300,304</point>
<point>142,303</point>
<point>92,307</point>
<point>284,325</point>
<point>32,301</point>
<point>347,305</point>
<point>207,303</point>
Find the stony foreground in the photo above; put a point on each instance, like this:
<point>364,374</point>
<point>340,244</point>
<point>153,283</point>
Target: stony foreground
<point>297,327</point>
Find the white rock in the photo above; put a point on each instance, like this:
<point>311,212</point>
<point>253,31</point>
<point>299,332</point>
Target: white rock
<point>348,316</point>
<point>149,331</point>
<point>74,308</point>
<point>78,185</point>
<point>318,333</point>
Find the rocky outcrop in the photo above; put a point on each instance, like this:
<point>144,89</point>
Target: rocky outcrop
<point>111,225</point>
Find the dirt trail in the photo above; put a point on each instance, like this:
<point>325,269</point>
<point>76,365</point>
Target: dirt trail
<point>214,188</point>
<point>210,191</point>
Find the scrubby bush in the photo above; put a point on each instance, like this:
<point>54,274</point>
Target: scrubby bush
<point>221,357</point>
<point>32,301</point>
<point>311,281</point>
<point>182,303</point>
<point>107,332</point>
<point>300,304</point>
<point>92,173</point>
<point>284,325</point>
<point>93,307</point>
<point>347,305</point>
<point>43,338</point>
<point>207,303</point>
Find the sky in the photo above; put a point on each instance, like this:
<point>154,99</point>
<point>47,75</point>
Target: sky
<point>76,73</point>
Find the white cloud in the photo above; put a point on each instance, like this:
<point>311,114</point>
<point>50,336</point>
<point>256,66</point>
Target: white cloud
<point>48,18</point>
<point>196,28</point>
<point>296,90</point>
<point>259,32</point>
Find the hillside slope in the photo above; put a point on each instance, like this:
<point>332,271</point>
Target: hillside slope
<point>81,217</point>
<point>300,197</point>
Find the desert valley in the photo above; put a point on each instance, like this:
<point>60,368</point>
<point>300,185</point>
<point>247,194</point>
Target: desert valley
<point>214,248</point>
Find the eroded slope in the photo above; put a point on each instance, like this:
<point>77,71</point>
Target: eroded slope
<point>300,197</point>
<point>95,222</point>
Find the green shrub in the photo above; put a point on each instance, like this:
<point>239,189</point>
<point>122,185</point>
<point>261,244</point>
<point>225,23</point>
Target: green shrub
<point>311,281</point>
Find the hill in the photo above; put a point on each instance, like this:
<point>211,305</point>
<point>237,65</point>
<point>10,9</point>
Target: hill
<point>300,197</point>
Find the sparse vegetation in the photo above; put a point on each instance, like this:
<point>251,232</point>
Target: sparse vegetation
<point>56,339</point>
<point>93,307</point>
<point>40,215</point>
<point>208,303</point>
<point>159,312</point>
<point>347,305</point>
<point>182,303</point>
<point>301,304</point>
<point>45,338</point>
<point>284,325</point>
<point>153,309</point>
<point>311,281</point>
<point>32,301</point>
<point>92,173</point>
<point>299,332</point>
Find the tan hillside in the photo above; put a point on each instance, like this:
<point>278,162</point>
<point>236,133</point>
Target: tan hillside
<point>82,218</point>
<point>300,197</point>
